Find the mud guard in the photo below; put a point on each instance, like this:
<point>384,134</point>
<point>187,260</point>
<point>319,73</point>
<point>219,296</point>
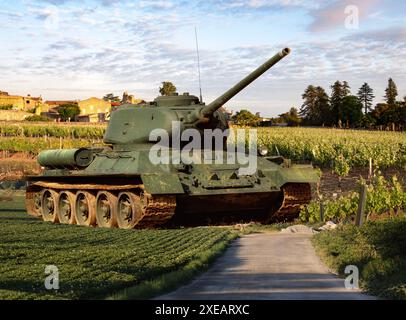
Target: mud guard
<point>162,183</point>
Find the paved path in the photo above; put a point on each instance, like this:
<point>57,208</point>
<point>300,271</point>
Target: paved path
<point>267,266</point>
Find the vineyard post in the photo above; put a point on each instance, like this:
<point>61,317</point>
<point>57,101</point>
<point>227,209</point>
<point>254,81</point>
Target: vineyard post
<point>370,169</point>
<point>321,212</point>
<point>361,205</point>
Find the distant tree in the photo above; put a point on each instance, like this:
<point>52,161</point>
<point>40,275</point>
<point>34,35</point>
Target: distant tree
<point>351,111</point>
<point>402,114</point>
<point>338,92</point>
<point>167,89</point>
<point>324,106</point>
<point>308,109</point>
<point>111,97</point>
<point>291,118</point>
<point>391,93</point>
<point>315,109</point>
<point>367,121</point>
<point>365,96</point>
<point>379,113</point>
<point>245,118</point>
<point>346,88</point>
<point>68,112</point>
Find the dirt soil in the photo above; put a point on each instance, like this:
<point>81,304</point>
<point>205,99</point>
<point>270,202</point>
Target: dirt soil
<point>14,166</point>
<point>330,186</point>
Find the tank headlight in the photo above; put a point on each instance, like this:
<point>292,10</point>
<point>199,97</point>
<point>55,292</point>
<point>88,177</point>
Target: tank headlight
<point>262,151</point>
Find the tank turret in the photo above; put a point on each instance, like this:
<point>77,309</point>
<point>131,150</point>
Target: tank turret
<point>132,124</point>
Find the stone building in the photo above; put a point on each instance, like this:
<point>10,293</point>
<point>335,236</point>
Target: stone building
<point>22,103</point>
<point>93,110</point>
<point>130,99</point>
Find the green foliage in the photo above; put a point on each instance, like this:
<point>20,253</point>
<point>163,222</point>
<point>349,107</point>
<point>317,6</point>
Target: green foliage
<point>377,248</point>
<point>391,92</point>
<point>366,96</point>
<point>341,166</point>
<point>68,112</point>
<point>383,196</point>
<point>6,107</point>
<point>37,118</point>
<point>291,118</point>
<point>167,89</point>
<point>245,118</point>
<point>170,281</point>
<point>316,109</point>
<point>323,146</point>
<point>95,262</point>
<point>351,111</point>
<point>344,110</point>
<point>338,92</point>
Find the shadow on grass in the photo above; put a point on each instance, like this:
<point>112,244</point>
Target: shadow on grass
<point>172,280</point>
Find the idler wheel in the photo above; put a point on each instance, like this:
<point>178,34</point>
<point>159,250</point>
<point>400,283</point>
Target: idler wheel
<point>85,209</point>
<point>129,210</point>
<point>49,205</point>
<point>33,201</point>
<point>66,207</point>
<point>106,206</point>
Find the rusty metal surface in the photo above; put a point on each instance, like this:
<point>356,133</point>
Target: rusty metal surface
<point>157,210</point>
<point>295,195</point>
<point>30,195</point>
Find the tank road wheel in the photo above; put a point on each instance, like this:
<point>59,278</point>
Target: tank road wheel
<point>85,209</point>
<point>129,210</point>
<point>66,207</point>
<point>106,205</point>
<point>49,205</point>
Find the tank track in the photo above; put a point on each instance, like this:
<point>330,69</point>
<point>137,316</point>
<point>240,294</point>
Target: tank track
<point>295,195</point>
<point>157,210</point>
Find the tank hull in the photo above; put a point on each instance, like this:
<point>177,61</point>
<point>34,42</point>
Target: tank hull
<point>126,184</point>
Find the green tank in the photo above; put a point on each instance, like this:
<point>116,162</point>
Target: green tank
<point>122,185</point>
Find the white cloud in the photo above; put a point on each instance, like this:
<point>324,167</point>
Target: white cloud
<point>156,4</point>
<point>124,47</point>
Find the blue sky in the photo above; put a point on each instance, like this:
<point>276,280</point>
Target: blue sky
<point>69,49</point>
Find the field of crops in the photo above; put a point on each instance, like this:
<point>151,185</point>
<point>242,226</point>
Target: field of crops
<point>324,147</point>
<point>35,145</point>
<point>92,262</point>
<point>66,130</point>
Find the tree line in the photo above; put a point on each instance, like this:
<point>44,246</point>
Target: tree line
<point>342,109</point>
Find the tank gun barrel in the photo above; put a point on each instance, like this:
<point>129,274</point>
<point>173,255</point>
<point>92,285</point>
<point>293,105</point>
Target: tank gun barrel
<point>220,101</point>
